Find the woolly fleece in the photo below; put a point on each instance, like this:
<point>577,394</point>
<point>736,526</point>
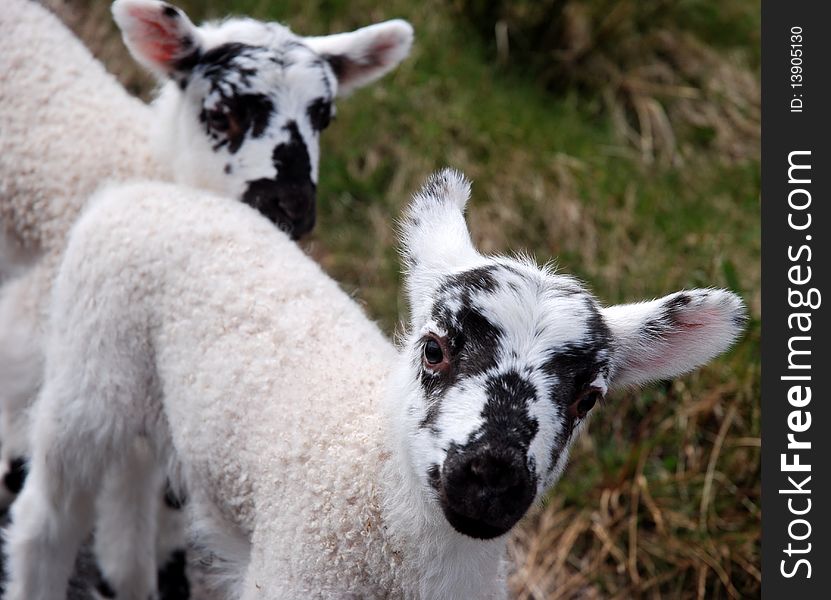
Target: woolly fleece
<point>66,126</point>
<point>58,102</point>
<point>271,376</point>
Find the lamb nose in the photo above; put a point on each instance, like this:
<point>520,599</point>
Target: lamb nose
<point>493,473</point>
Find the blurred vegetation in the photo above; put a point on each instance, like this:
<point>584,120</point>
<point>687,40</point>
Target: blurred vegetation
<point>621,137</point>
<point>670,72</point>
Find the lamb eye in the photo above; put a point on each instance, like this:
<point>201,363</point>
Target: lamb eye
<point>218,121</point>
<point>433,354</point>
<point>581,407</point>
<point>587,402</point>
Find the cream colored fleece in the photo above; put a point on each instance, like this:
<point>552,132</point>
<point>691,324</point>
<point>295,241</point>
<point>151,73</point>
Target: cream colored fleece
<point>271,376</point>
<point>66,125</point>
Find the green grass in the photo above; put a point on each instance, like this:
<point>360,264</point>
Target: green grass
<point>553,176</point>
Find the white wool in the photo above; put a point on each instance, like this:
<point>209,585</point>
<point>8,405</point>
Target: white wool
<point>66,125</point>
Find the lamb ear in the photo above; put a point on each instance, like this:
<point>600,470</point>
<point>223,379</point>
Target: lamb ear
<point>672,335</point>
<point>158,35</point>
<point>434,236</point>
<point>360,57</point>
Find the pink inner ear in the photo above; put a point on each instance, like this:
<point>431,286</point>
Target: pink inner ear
<point>678,342</point>
<point>155,36</point>
<point>381,48</point>
<point>701,317</point>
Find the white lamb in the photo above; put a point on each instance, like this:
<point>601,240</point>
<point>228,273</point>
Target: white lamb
<point>240,113</point>
<point>341,467</point>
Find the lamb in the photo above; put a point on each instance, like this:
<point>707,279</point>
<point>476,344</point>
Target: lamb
<point>330,463</point>
<point>240,113</point>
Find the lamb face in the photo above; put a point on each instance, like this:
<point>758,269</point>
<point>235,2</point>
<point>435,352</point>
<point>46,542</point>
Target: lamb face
<point>250,118</point>
<point>246,100</point>
<point>507,359</point>
<point>503,385</point>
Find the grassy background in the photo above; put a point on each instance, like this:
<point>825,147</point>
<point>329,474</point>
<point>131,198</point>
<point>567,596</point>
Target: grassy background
<point>622,138</point>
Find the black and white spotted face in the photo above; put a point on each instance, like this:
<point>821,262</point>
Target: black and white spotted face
<point>510,361</point>
<point>506,360</point>
<point>246,101</point>
<point>249,125</point>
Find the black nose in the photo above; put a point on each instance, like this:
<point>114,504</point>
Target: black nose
<point>288,204</point>
<point>485,490</point>
<point>494,473</point>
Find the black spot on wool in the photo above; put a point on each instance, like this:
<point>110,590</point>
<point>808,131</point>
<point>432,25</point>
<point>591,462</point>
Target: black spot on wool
<point>339,64</point>
<point>462,287</point>
<point>574,367</point>
<point>291,159</point>
<point>289,199</point>
<point>577,364</point>
<point>740,320</point>
<point>172,577</point>
<point>324,74</point>
<point>487,484</point>
<point>473,346</point>
<point>15,477</point>
<point>216,65</point>
<point>473,341</point>
<point>104,588</point>
<point>480,279</point>
<point>506,420</point>
<point>173,500</point>
<point>184,65</point>
<point>436,186</point>
<point>245,113</point>
<point>320,114</point>
<point>667,319</point>
<point>670,311</point>
<point>216,61</point>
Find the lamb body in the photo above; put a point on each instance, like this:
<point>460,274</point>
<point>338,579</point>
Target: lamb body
<point>300,448</point>
<point>338,464</point>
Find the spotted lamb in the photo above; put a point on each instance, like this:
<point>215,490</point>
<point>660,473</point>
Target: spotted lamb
<point>329,463</point>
